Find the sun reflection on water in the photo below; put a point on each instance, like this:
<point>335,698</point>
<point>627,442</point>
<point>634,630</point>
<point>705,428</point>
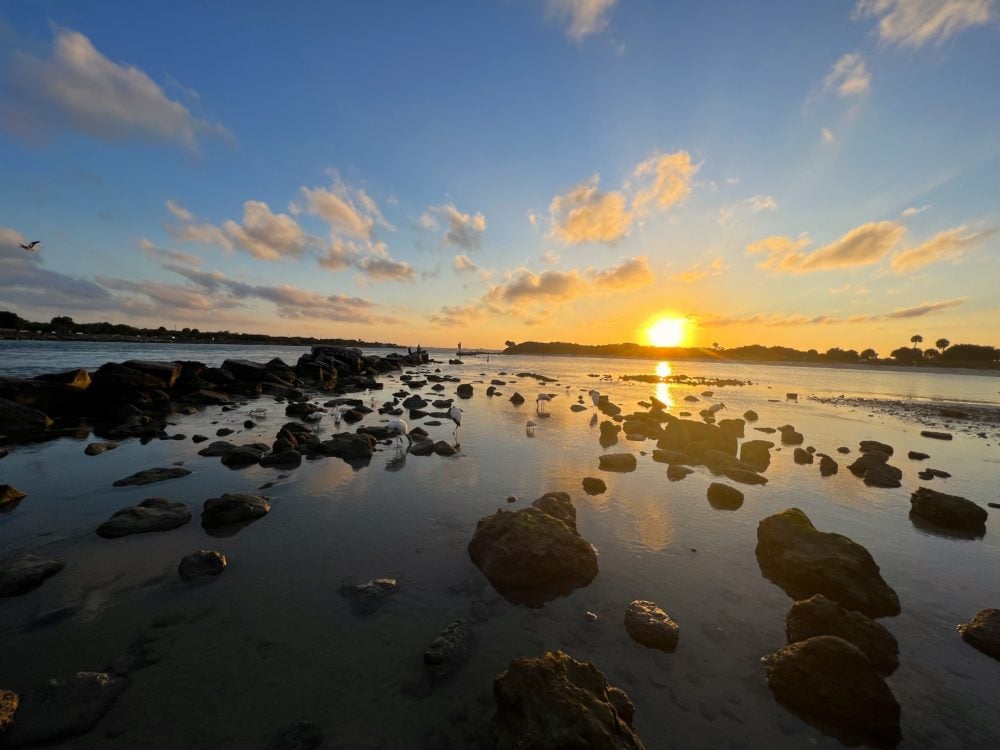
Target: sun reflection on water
<point>663,389</point>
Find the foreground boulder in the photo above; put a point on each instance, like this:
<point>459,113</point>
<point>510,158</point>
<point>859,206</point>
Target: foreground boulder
<point>651,626</point>
<point>450,650</point>
<point>20,573</point>
<point>724,497</point>
<point>64,707</point>
<point>818,615</point>
<point>16,419</point>
<point>558,703</point>
<point>804,561</point>
<point>756,454</point>
<point>534,554</point>
<point>948,511</point>
<point>10,496</point>
<point>831,684</point>
<point>983,632</point>
<point>149,476</point>
<point>201,563</point>
<point>233,509</point>
<point>152,514</point>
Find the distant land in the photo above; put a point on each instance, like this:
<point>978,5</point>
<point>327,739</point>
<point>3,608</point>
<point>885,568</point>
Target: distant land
<point>63,328</point>
<point>958,355</point>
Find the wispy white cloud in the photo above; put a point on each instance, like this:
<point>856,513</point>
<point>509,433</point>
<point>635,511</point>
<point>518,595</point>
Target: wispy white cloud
<point>849,76</point>
<point>948,245</point>
<point>913,211</point>
<point>464,230</point>
<point>913,23</point>
<point>161,254</point>
<point>863,245</point>
<point>79,88</point>
<point>749,206</point>
<point>700,272</point>
<point>581,17</point>
<point>827,136</point>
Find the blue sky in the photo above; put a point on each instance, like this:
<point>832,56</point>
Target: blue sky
<point>811,174</point>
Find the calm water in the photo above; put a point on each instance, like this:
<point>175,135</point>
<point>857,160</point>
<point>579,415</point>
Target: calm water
<point>271,642</point>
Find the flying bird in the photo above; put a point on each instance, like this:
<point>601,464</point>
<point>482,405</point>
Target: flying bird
<point>455,414</point>
<point>31,245</point>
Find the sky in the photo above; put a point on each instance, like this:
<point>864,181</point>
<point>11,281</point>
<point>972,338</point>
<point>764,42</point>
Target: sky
<point>803,174</point>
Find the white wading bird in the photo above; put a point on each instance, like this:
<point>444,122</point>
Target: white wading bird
<point>455,414</point>
<point>400,429</point>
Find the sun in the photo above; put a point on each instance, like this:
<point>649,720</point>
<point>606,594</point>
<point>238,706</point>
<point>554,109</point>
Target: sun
<point>667,332</point>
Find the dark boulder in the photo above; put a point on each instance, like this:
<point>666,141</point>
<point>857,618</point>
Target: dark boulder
<point>152,514</point>
<point>96,449</point>
<point>201,563</point>
<point>16,419</point>
<point>450,650</point>
<point>166,372</point>
<point>827,466</point>
<point>22,572</point>
<point>10,496</point>
<point>368,597</point>
<point>245,455</point>
<point>936,435</point>
<point>664,456</point>
<point>818,615</point>
<point>868,446</point>
<point>533,555</point>
<point>288,459</point>
<point>917,456</point>
<point>517,399</point>
<point>617,462</point>
<point>464,391</point>
<point>217,448</point>
<point>756,454</point>
<point>724,497</point>
<point>750,415</point>
<point>594,486</point>
<point>558,703</point>
<point>676,472</point>
<point>832,684</point>
<point>233,510</point>
<point>804,561</point>
<point>149,476</point>
<point>948,511</point>
<point>651,626</point>
<point>349,446</point>
<point>983,632</point>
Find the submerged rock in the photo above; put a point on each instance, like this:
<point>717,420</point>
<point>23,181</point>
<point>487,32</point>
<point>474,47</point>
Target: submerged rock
<point>983,632</point>
<point>948,511</point>
<point>201,563</point>
<point>832,684</point>
<point>804,561</point>
<point>594,486</point>
<point>368,597</point>
<point>533,555</point>
<point>724,497</point>
<point>818,615</point>
<point>20,573</point>
<point>676,472</point>
<point>450,650</point>
<point>64,707</point>
<point>651,626</point>
<point>558,703</point>
<point>617,462</point>
<point>233,510</point>
<point>11,495</point>
<point>96,449</point>
<point>152,514</point>
<point>756,454</point>
<point>149,476</point>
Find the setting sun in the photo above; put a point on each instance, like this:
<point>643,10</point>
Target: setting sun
<point>667,332</point>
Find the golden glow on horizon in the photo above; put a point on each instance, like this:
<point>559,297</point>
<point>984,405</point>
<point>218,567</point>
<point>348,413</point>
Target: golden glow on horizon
<point>667,332</point>
<point>663,369</point>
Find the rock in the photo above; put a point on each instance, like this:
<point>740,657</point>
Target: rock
<point>223,432</point>
<point>867,446</point>
<point>724,497</point>
<point>10,495</point>
<point>733,427</point>
<point>233,509</point>
<point>804,561</point>
<point>302,736</point>
<point>936,435</point>
<point>288,459</point>
<point>96,449</point>
<point>22,572</point>
<point>843,449</point>
<point>349,446</point>
<point>802,456</point>
<point>750,415</point>
<point>16,419</point>
<point>79,379</point>
<point>577,407</point>
<point>651,626</point>
<point>64,707</point>
<point>883,475</point>
<point>830,682</point>
<point>948,511</point>
<point>421,447</point>
<point>9,701</point>
<point>983,632</point>
<point>792,396</point>
<point>594,486</point>
<point>201,563</point>
<point>617,462</point>
<point>791,437</point>
<point>557,505</point>
<point>517,399</point>
<point>929,474</point>
<point>245,455</point>
<point>152,514</point>
<point>533,555</point>
<point>450,650</point>
<point>664,456</point>
<point>827,466</point>
<point>368,597</point>
<point>917,456</point>
<point>676,472</point>
<point>464,391</point>
<point>818,615</point>
<point>217,448</point>
<point>756,454</point>
<point>558,703</point>
<point>149,476</point>
<point>743,476</point>
<point>442,448</point>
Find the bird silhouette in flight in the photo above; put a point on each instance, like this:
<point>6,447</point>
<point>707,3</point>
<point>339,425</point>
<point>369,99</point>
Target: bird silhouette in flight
<point>31,245</point>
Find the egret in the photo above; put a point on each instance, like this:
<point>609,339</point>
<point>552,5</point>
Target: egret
<point>455,415</point>
<point>399,429</point>
<point>31,245</point>
<point>542,398</point>
<point>336,416</point>
<point>595,396</point>
<point>529,428</point>
<point>313,417</point>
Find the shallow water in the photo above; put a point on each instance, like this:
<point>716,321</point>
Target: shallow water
<point>271,642</point>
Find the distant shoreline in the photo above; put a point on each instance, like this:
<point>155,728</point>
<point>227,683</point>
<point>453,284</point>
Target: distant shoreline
<point>262,341</point>
<point>879,367</point>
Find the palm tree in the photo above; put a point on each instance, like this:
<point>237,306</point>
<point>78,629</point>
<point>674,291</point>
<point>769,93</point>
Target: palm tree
<point>917,339</point>
<point>942,344</point>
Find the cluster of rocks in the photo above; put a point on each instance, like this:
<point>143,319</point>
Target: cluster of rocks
<point>873,465</point>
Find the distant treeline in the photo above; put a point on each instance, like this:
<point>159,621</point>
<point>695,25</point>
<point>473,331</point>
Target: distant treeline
<point>65,328</point>
<point>957,355</point>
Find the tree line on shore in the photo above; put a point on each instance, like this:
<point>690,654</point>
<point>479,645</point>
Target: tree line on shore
<point>944,354</point>
<point>64,327</point>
